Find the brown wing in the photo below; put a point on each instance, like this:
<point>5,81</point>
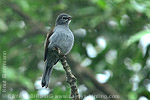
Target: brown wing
<point>49,34</point>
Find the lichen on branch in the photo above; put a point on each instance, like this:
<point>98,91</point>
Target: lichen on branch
<point>70,78</point>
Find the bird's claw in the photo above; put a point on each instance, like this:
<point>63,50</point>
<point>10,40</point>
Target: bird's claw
<point>57,49</point>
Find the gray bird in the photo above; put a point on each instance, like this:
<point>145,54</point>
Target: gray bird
<point>61,37</point>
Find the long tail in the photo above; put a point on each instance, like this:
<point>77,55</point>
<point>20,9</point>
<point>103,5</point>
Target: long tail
<point>51,60</point>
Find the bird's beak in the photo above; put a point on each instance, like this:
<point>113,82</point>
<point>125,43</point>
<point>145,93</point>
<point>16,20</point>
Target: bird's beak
<point>70,17</point>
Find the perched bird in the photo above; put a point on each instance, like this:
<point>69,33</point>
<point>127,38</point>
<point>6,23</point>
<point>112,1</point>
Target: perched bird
<point>60,37</point>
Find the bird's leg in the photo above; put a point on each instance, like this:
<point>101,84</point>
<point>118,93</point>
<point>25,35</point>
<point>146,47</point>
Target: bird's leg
<point>57,49</point>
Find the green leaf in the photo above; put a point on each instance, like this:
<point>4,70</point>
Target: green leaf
<point>132,96</point>
<point>11,74</point>
<point>14,76</point>
<point>136,37</point>
<point>86,11</point>
<point>3,26</point>
<point>95,21</point>
<point>26,82</point>
<point>23,4</point>
<point>101,3</point>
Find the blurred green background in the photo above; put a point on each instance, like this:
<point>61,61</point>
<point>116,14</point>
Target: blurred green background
<point>110,57</point>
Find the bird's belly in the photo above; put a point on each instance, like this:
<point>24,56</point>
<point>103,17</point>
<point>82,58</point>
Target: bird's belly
<point>64,42</point>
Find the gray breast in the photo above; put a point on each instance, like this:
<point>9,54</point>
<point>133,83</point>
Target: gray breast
<point>62,38</point>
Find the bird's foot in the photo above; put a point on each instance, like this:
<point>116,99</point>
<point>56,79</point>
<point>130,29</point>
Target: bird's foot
<point>57,49</point>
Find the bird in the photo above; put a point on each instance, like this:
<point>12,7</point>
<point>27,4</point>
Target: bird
<point>60,37</point>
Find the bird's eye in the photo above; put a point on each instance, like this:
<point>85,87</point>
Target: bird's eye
<point>64,18</point>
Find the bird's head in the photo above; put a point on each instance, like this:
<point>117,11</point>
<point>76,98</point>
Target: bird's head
<point>63,19</point>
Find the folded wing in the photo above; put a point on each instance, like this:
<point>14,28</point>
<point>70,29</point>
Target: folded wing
<point>47,42</point>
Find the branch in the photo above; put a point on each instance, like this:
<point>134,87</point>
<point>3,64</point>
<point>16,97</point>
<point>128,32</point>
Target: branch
<point>35,26</point>
<point>32,32</point>
<point>70,78</point>
<point>18,10</point>
<point>86,73</point>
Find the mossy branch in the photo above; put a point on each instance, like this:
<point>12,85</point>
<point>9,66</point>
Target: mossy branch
<point>70,78</point>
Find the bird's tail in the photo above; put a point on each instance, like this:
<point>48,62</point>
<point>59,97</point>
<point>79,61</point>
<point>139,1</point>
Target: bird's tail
<point>52,60</point>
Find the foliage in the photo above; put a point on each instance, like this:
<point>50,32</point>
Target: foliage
<point>110,29</point>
